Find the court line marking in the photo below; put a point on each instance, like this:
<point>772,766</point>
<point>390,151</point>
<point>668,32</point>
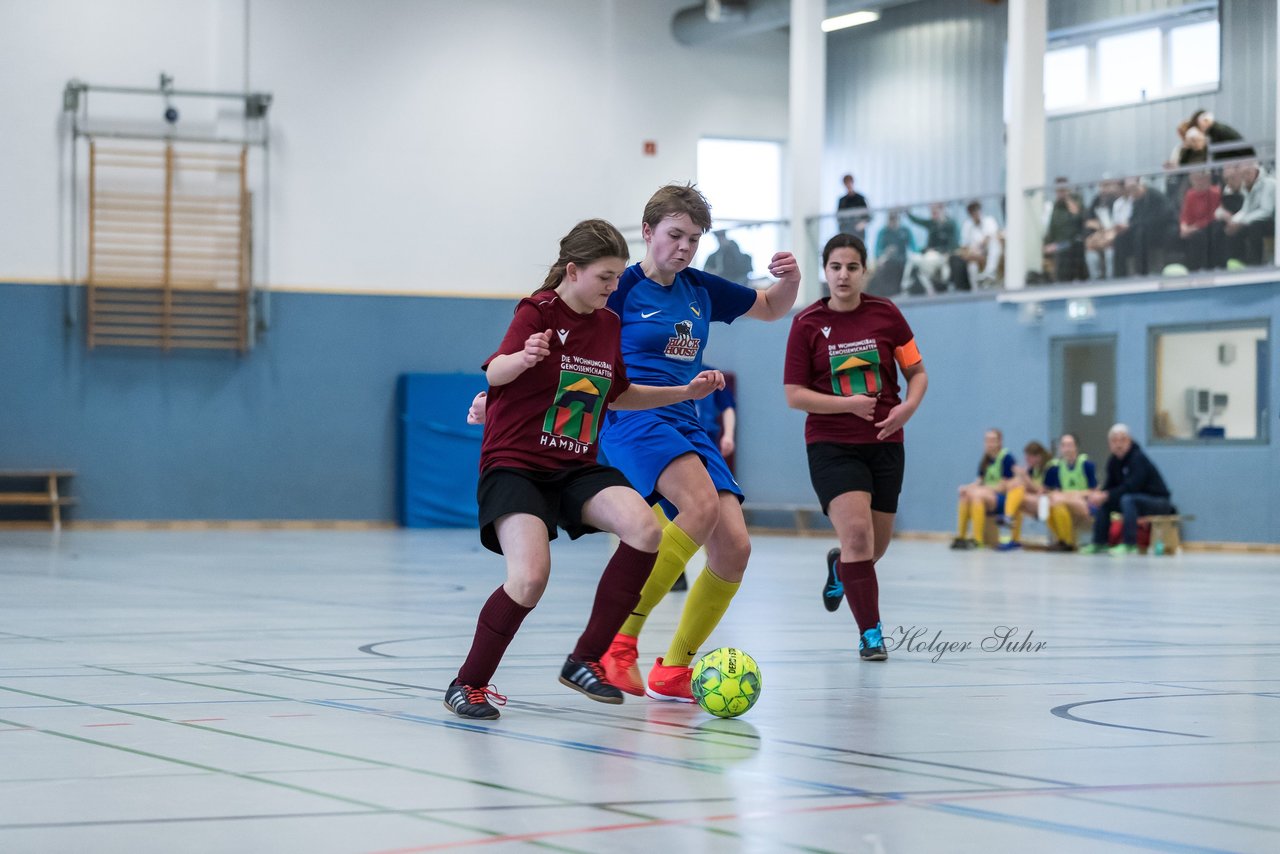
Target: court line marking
<point>1066,711</point>
<point>367,760</point>
<point>944,803</point>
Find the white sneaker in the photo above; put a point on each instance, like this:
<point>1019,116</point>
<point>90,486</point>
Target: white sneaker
<point>1042,511</point>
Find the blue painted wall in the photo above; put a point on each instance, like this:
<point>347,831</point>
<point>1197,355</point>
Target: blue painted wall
<point>986,368</point>
<point>304,426</point>
<point>301,428</point>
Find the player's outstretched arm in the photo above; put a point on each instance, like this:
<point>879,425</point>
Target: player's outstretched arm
<point>774,302</point>
<point>652,397</point>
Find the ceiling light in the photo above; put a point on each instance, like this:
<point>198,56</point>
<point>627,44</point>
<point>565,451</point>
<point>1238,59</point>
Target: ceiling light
<point>853,19</point>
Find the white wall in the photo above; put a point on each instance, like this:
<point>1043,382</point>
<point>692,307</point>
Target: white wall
<point>422,145</point>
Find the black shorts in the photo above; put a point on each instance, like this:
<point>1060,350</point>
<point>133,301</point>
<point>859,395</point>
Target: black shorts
<point>555,497</point>
<point>876,467</point>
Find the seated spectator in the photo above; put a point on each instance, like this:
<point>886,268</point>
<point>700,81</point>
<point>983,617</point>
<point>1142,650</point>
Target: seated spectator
<point>1133,488</point>
<point>1225,142</point>
<point>1109,212</point>
<point>987,493</point>
<point>1153,226</point>
<point>1064,236</point>
<point>851,210</point>
<point>1255,220</point>
<point>931,268</point>
<point>1067,482</point>
<point>1025,490</point>
<point>894,243</point>
<point>978,260</point>
<point>1199,203</point>
<point>729,261</point>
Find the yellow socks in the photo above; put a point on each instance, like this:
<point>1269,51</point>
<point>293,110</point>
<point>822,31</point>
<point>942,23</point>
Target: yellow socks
<point>978,511</point>
<point>674,552</point>
<point>709,598</point>
<point>962,513</point>
<point>1062,525</point>
<point>1013,511</point>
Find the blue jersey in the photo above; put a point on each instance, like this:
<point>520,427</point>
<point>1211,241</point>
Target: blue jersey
<point>664,328</point>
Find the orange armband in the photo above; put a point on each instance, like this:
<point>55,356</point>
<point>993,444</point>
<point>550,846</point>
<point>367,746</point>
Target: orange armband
<point>907,355</point>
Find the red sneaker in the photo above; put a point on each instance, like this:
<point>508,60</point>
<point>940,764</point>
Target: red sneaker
<point>670,683</point>
<point>619,663</point>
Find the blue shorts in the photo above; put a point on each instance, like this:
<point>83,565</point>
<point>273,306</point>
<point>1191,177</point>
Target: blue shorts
<point>641,444</point>
<point>999,511</point>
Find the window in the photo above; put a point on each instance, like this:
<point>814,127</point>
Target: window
<point>742,178</point>
<point>1066,78</point>
<point>1133,60</point>
<point>1194,56</point>
<point>1210,382</point>
<point>1129,67</point>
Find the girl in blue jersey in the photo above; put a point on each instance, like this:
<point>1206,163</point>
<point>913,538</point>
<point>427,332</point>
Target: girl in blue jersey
<point>666,309</point>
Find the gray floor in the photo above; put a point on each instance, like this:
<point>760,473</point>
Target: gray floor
<point>281,691</point>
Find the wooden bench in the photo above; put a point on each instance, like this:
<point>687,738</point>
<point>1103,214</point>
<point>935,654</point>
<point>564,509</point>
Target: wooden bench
<point>802,515</point>
<point>1166,532</point>
<point>28,495</point>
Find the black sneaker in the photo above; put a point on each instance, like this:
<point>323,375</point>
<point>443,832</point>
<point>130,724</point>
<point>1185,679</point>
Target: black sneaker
<point>588,677</point>
<point>960,544</point>
<point>467,701</point>
<point>871,645</point>
<point>833,590</point>
<point>682,583</point>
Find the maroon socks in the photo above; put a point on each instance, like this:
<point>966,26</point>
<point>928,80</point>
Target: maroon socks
<point>616,596</point>
<point>500,619</point>
<point>862,591</point>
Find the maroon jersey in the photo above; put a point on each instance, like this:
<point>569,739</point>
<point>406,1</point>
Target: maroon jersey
<point>549,416</point>
<point>846,353</point>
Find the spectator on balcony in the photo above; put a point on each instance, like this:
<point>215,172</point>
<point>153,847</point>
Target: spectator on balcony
<point>931,268</point>
<point>1175,156</point>
<point>1153,225</point>
<point>729,261</point>
<point>851,210</point>
<point>893,245</point>
<point>1064,237</point>
<point>1108,214</point>
<point>1255,220</point>
<point>1199,203</point>
<point>1221,136</point>
<point>980,250</point>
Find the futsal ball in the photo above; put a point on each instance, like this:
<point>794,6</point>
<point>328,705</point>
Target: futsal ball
<point>726,682</point>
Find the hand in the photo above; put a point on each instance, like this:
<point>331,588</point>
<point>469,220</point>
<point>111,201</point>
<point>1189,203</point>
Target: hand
<point>704,384</point>
<point>863,406</point>
<point>894,421</point>
<point>1096,498</point>
<point>726,446</point>
<point>1232,227</point>
<point>536,348</point>
<point>475,415</point>
<point>783,266</point>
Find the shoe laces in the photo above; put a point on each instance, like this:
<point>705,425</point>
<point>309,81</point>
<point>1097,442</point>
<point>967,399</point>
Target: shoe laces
<point>873,637</point>
<point>479,696</point>
<point>595,668</point>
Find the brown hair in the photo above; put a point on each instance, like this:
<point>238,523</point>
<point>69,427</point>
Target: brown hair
<point>1034,447</point>
<point>676,199</point>
<point>845,241</point>
<point>587,242</point>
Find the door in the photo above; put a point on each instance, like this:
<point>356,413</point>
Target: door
<point>1084,391</point>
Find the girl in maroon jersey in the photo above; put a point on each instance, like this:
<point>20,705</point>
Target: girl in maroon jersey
<point>840,368</point>
<point>558,367</point>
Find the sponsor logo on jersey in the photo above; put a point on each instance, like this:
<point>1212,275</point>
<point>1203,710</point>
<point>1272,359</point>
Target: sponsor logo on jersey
<point>856,373</point>
<point>575,414</point>
<point>683,346</point>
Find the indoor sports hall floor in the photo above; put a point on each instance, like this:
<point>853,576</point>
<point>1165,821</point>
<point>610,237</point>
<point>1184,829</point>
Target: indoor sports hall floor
<point>281,691</point>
